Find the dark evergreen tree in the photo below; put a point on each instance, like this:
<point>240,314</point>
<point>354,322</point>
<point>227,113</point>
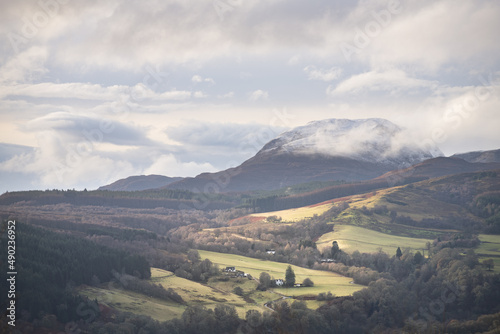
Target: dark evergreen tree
<point>399,253</point>
<point>289,277</point>
<point>335,249</point>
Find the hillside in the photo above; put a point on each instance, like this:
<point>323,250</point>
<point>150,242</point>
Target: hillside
<point>437,167</point>
<point>480,156</point>
<point>140,182</point>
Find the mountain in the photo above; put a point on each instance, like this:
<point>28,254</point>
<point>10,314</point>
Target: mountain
<point>332,149</point>
<point>373,140</point>
<point>480,156</point>
<point>140,182</point>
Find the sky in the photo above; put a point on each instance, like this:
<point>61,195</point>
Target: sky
<point>94,91</point>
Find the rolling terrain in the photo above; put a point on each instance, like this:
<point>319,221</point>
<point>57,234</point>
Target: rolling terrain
<point>407,216</point>
<point>383,229</point>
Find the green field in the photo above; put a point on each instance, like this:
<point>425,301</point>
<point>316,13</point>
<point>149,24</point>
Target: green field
<point>324,281</point>
<point>489,249</point>
<point>351,238</point>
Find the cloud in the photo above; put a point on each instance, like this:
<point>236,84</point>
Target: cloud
<point>258,95</point>
<point>222,144</point>
<point>26,67</point>
<point>94,60</point>
<point>433,34</point>
<point>314,73</point>
<point>392,81</point>
<point>200,95</point>
<point>198,79</point>
<point>90,130</point>
<point>7,151</point>
<point>192,32</point>
<point>221,134</point>
<point>95,92</point>
<point>56,165</point>
<point>226,95</point>
<point>169,165</point>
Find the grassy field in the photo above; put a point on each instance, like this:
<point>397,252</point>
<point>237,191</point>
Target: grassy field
<point>219,291</point>
<point>127,301</point>
<point>208,295</point>
<point>297,214</point>
<point>323,281</point>
<point>193,293</point>
<point>407,201</point>
<point>351,238</point>
<point>489,249</point>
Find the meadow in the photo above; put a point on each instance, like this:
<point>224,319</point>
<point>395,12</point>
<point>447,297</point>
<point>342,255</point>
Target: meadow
<point>351,238</point>
<point>193,293</point>
<point>489,249</point>
<point>128,301</point>
<point>296,214</point>
<point>324,281</point>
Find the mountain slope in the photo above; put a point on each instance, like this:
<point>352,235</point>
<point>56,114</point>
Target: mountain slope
<point>333,149</point>
<point>140,182</point>
<point>480,156</point>
<point>436,167</point>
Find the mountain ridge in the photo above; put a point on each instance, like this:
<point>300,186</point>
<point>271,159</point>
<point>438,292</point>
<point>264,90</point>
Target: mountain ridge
<point>140,182</point>
<point>325,150</point>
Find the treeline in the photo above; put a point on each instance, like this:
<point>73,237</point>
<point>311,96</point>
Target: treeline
<point>195,269</point>
<point>94,229</point>
<point>48,263</point>
<point>137,199</point>
<point>487,206</point>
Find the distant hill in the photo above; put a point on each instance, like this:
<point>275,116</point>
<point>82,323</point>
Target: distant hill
<point>480,156</point>
<point>140,182</point>
<point>436,167</point>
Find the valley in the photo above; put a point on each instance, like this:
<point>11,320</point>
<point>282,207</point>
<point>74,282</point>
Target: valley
<point>173,258</point>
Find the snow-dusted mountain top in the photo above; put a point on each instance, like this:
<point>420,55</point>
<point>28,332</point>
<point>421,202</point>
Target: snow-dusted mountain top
<point>373,140</point>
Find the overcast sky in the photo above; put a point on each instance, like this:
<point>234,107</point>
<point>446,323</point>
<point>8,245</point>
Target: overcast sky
<point>94,91</point>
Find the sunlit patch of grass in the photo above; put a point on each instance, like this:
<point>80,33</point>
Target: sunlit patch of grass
<point>128,301</point>
<point>324,281</point>
<point>296,214</point>
<point>351,238</point>
<point>489,249</point>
